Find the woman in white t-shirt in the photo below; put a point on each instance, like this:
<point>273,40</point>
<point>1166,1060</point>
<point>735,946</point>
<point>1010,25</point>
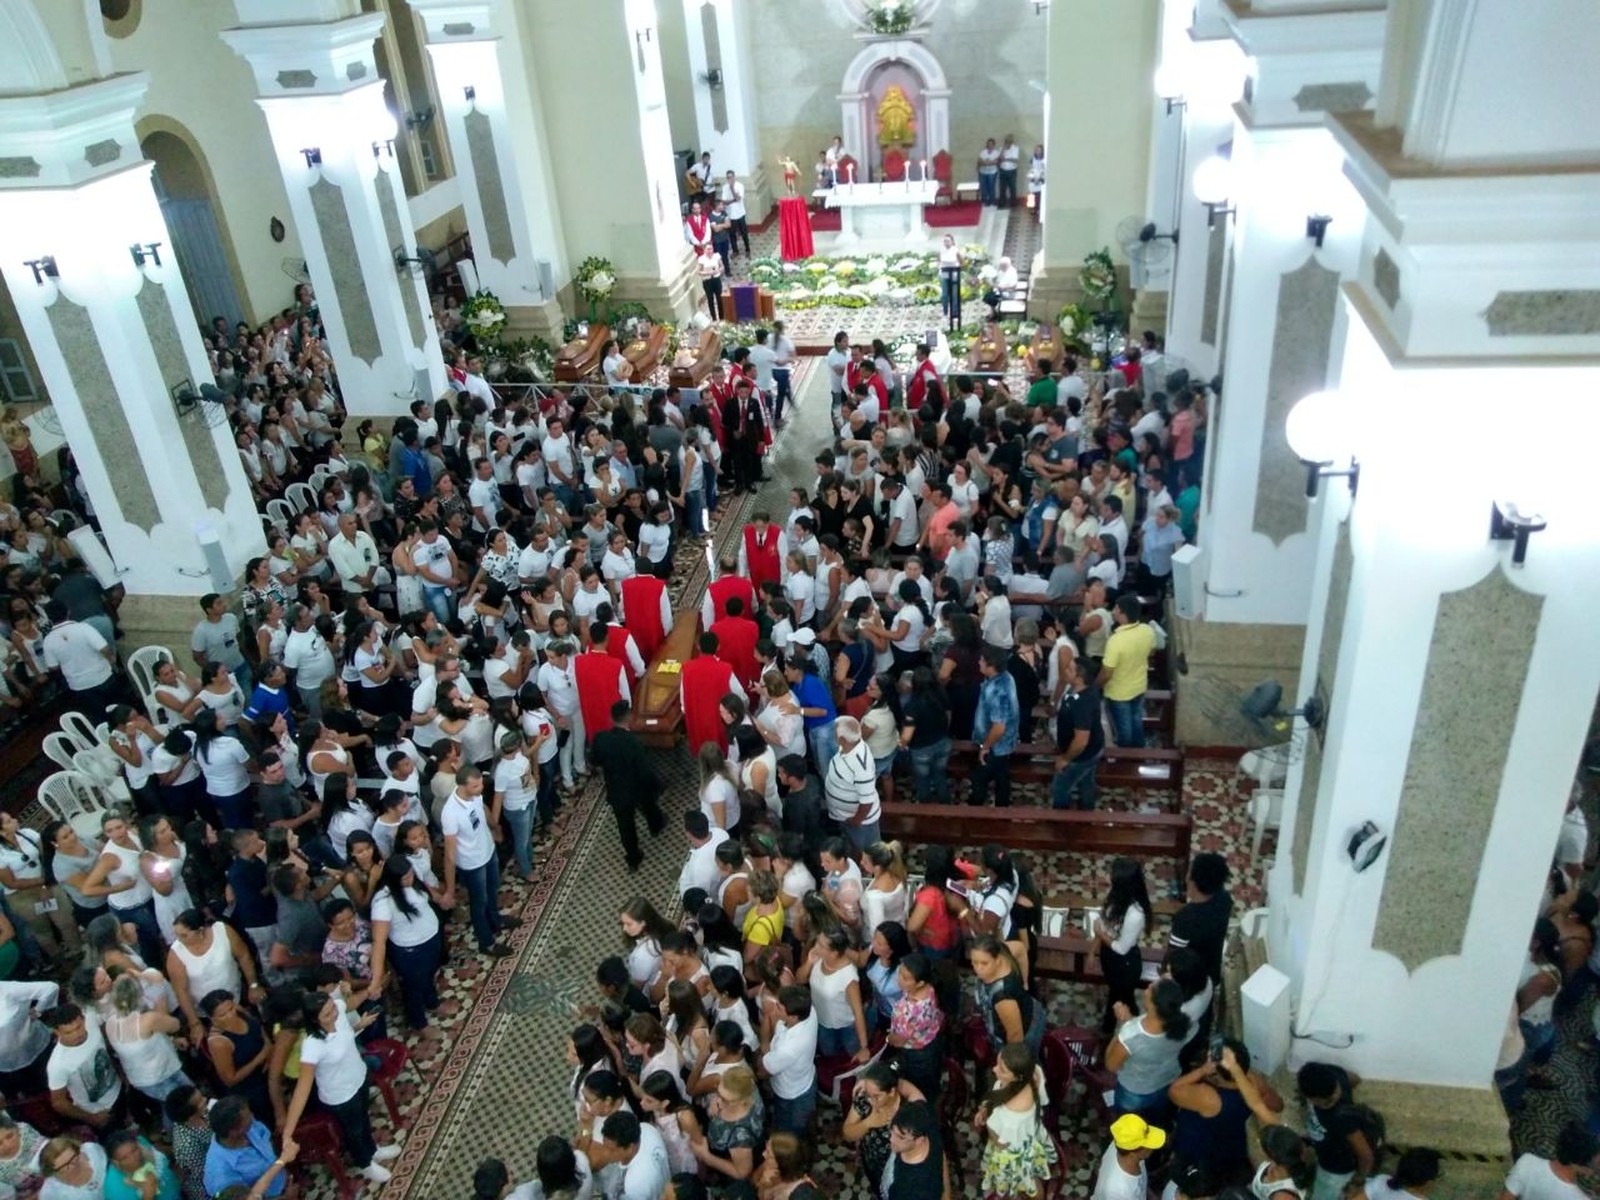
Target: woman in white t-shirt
<point>836,997</point>
<point>224,761</point>
<point>220,693</point>
<point>643,927</point>
<point>719,796</point>
<point>406,936</point>
<point>331,1062</point>
<point>1118,928</point>
<point>963,491</point>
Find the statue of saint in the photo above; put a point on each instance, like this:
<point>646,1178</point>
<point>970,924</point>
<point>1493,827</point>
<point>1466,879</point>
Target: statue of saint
<point>897,120</point>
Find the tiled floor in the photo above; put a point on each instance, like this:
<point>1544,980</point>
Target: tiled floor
<point>501,1084</point>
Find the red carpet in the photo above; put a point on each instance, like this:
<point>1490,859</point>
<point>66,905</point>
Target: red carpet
<point>938,216</point>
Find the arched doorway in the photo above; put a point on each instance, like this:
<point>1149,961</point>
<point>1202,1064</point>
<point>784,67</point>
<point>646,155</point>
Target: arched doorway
<point>187,206</point>
<point>912,68</point>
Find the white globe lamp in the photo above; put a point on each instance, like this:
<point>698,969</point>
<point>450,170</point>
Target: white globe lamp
<point>1318,430</point>
<point>1169,82</point>
<point>1213,179</point>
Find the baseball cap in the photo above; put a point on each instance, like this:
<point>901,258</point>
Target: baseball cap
<point>1131,1132</point>
<point>803,637</point>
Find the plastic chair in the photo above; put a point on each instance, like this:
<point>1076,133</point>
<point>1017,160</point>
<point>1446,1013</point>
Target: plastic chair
<point>281,515</point>
<point>941,174</point>
<point>894,165</point>
<point>301,498</point>
<point>80,729</point>
<point>71,797</point>
<point>1266,812</point>
<point>392,1058</point>
<point>955,1097</point>
<point>1060,1067</point>
<point>61,749</point>
<point>1084,1045</point>
<point>106,776</point>
<point>143,663</point>
<point>841,1076</point>
<point>317,1135</point>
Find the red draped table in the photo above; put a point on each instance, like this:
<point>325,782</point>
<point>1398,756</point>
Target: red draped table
<point>794,229</point>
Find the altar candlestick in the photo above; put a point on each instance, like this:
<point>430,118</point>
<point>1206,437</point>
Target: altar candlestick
<point>924,170</point>
<point>851,168</point>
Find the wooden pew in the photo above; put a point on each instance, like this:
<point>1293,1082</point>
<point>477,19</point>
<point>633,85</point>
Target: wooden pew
<point>1154,768</point>
<point>1077,958</point>
<point>1160,714</point>
<point>1026,827</point>
<point>657,702</point>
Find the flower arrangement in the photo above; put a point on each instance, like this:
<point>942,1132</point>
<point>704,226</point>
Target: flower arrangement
<point>596,279</point>
<point>892,16</point>
<point>484,313</point>
<point>1098,277</point>
<point>1075,322</point>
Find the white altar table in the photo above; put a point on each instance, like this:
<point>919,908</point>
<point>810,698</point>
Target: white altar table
<point>884,215</point>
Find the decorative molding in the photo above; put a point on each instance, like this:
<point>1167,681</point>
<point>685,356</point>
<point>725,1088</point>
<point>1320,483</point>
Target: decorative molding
<point>155,312</point>
<point>114,442</point>
<point>1328,648</point>
<point>1308,299</point>
<point>290,80</point>
<point>397,236</point>
<point>459,28</point>
<point>355,70</point>
<point>1211,304</point>
<point>344,265</point>
<point>1333,97</point>
<point>502,245</point>
<point>98,154</point>
<point>1455,769</point>
<point>1557,313</point>
<point>19,166</point>
<point>1386,278</point>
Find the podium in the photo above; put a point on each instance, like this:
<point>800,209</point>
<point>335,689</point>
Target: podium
<point>746,306</point>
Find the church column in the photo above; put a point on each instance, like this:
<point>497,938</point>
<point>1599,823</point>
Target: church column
<point>1094,50</point>
<point>1458,684</point>
<point>516,234</point>
<point>725,112</point>
<point>1286,230</point>
<point>332,135</point>
<point>599,65</point>
<point>117,343</point>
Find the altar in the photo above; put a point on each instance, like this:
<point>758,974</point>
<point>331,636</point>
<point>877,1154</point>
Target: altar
<point>882,216</point>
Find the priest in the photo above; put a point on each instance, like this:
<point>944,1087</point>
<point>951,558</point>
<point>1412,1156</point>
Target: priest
<point>704,681</point>
<point>602,681</point>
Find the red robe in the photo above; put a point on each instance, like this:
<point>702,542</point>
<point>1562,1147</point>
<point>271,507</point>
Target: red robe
<point>867,372</point>
<point>761,556</point>
<point>736,646</point>
<point>705,683</point>
<point>925,374</point>
<point>725,589</point>
<point>712,398</point>
<point>641,604</point>
<point>617,642</point>
<point>599,687</point>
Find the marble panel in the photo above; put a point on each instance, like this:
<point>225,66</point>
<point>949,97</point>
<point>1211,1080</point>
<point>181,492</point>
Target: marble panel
<point>297,79</point>
<point>19,166</point>
<point>1327,669</point>
<point>395,234</point>
<point>1211,304</point>
<point>1333,97</point>
<point>98,154</point>
<point>1557,313</point>
<point>114,441</point>
<point>491,187</point>
<point>1308,298</point>
<point>1386,278</point>
<point>356,70</point>
<point>344,264</point>
<point>155,311</point>
<point>459,28</point>
<point>713,42</point>
<point>1471,691</point>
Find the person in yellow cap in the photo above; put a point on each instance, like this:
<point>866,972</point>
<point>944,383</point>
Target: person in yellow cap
<point>1122,1172</point>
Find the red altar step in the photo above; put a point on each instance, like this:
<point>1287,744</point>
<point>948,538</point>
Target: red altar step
<point>938,216</point>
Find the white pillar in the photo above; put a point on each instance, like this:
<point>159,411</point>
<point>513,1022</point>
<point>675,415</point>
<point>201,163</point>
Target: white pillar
<point>115,341</point>
<point>725,115</point>
<point>1459,686</point>
<point>320,92</point>
<point>516,235</point>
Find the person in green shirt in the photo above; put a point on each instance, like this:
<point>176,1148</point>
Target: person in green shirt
<point>1043,389</point>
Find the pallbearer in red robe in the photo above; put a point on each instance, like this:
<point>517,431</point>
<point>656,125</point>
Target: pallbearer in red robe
<point>759,559</point>
<point>736,637</point>
<point>728,584</point>
<point>601,682</point>
<point>620,645</point>
<point>705,680</point>
<point>922,375</point>
<point>647,611</point>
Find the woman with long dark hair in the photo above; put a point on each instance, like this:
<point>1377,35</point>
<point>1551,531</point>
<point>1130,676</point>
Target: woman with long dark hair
<point>331,1062</point>
<point>1144,1054</point>
<point>1124,916</point>
<point>406,935</point>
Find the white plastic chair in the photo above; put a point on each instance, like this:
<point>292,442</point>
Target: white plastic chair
<point>142,666</point>
<point>61,749</point>
<point>301,497</point>
<point>70,797</point>
<point>280,514</point>
<point>1266,812</point>
<point>106,775</point>
<point>319,480</point>
<point>80,729</point>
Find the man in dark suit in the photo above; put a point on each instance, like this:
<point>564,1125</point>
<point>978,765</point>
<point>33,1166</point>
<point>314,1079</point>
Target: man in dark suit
<point>632,784</point>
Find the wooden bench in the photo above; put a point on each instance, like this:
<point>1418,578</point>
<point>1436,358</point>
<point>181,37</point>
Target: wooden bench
<point>657,699</point>
<point>1078,958</point>
<point>1026,827</point>
<point>1155,768</point>
<point>1160,714</point>
<point>1071,900</point>
<point>579,357</point>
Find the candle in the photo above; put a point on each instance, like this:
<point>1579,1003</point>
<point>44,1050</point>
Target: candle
<point>906,179</point>
<point>924,170</point>
<point>851,169</point>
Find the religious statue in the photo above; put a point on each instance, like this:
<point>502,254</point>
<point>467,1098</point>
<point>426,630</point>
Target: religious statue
<point>19,440</point>
<point>791,172</point>
<point>897,120</point>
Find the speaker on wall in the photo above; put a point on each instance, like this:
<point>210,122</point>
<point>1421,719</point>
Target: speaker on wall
<point>1188,581</point>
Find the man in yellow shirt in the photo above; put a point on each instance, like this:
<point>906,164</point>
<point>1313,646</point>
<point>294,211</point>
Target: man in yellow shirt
<point>1125,671</point>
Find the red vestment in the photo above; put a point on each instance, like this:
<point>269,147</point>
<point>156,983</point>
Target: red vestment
<point>761,556</point>
<point>599,687</point>
<point>705,683</point>
<point>641,606</point>
<point>725,589</point>
<point>736,646</point>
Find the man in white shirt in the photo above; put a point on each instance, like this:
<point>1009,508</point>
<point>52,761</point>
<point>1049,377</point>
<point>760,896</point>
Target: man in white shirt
<point>647,1172</point>
<point>559,687</point>
<point>785,356</point>
<point>1555,1178</point>
<point>988,171</point>
<point>483,493</point>
<point>1113,526</point>
<point>1010,156</point>
<point>469,855</point>
<point>788,1058</point>
<point>24,1041</point>
<point>354,556</point>
<point>838,363</point>
<point>1071,385</point>
<point>84,1085</point>
<point>851,786</point>
<point>84,658</point>
<point>435,561</point>
<point>904,529</point>
<point>1122,1174</point>
<point>731,193</point>
<point>306,653</point>
<point>700,868</point>
<point>762,359</point>
<point>560,464</point>
<point>425,700</point>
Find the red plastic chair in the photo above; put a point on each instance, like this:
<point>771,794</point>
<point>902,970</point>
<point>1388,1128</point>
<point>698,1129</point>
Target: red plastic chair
<point>894,164</point>
<point>975,1041</point>
<point>1060,1067</point>
<point>317,1135</point>
<point>1058,1177</point>
<point>844,168</point>
<point>392,1058</point>
<point>1086,1048</point>
<point>941,173</point>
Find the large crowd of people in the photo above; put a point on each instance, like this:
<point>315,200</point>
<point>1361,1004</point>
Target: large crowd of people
<point>444,644</point>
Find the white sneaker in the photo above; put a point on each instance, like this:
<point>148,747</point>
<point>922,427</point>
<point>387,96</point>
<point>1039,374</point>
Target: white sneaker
<point>372,1171</point>
<point>385,1153</point>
